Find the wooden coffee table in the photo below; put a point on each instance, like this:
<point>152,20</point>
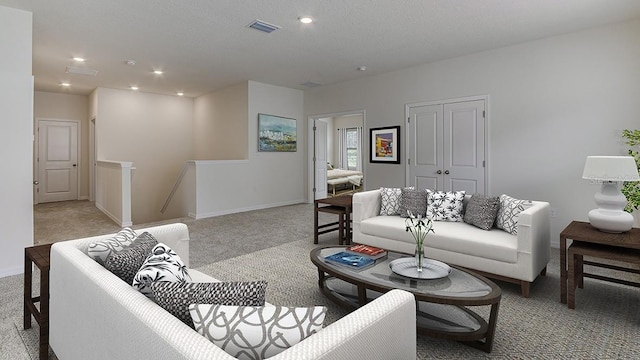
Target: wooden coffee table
<point>442,304</point>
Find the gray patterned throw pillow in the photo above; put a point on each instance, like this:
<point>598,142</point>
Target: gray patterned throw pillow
<point>509,212</point>
<point>99,250</point>
<point>413,201</point>
<point>175,297</point>
<point>445,205</point>
<point>481,211</point>
<point>248,332</point>
<point>389,201</point>
<point>126,262</point>
<point>163,264</point>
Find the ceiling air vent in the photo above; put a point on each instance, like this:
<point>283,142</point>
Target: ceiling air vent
<point>263,26</point>
<point>81,71</point>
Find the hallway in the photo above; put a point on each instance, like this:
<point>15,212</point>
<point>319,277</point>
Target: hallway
<point>67,220</point>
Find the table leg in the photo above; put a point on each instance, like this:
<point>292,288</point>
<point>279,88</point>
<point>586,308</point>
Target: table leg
<point>315,222</point>
<point>579,269</point>
<point>362,295</point>
<point>572,281</point>
<point>27,292</point>
<point>340,229</point>
<point>348,225</point>
<point>563,269</point>
<point>44,314</point>
<point>491,329</point>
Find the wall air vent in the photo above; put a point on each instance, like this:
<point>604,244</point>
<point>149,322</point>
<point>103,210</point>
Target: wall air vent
<point>80,71</point>
<point>263,26</point>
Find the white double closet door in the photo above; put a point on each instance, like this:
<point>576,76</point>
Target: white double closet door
<point>447,146</point>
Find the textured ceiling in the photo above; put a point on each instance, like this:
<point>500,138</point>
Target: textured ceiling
<point>204,45</point>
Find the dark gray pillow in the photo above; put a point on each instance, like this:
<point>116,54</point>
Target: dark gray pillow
<point>126,262</point>
<point>414,201</point>
<point>175,297</point>
<point>481,211</point>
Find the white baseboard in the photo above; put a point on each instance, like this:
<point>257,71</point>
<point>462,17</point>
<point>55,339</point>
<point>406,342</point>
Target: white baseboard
<point>199,216</point>
<point>86,197</point>
<point>4,272</point>
<point>113,217</point>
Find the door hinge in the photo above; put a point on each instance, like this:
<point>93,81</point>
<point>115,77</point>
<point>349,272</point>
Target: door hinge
<point>314,128</point>
<point>484,113</point>
<point>314,189</point>
<point>483,163</point>
<point>409,120</point>
<point>409,161</point>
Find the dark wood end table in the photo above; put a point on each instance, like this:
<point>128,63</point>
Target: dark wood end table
<point>583,232</point>
<point>339,205</point>
<point>39,256</point>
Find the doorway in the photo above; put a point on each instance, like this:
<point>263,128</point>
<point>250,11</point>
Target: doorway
<point>57,159</point>
<point>335,145</point>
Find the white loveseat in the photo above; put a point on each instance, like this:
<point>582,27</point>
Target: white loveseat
<point>95,315</point>
<point>494,253</point>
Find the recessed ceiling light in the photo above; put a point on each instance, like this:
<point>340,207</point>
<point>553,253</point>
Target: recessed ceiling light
<point>65,84</point>
<point>305,19</point>
<point>362,68</point>
<point>130,62</point>
<point>158,72</point>
<point>78,59</point>
<point>180,93</point>
<point>134,88</point>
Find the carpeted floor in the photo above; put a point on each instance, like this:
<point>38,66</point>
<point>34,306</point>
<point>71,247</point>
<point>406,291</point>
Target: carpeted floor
<point>604,325</point>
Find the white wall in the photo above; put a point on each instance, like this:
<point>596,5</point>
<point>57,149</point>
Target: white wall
<point>265,179</point>
<point>58,106</point>
<point>552,102</point>
<point>155,132</point>
<point>220,124</point>
<point>16,139</point>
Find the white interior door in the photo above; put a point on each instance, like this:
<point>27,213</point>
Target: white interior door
<point>57,160</point>
<point>446,146</point>
<point>320,159</point>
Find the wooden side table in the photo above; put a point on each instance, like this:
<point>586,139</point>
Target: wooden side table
<point>339,205</point>
<point>38,256</point>
<point>584,232</point>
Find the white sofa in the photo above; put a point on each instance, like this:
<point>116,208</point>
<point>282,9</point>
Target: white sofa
<point>494,253</point>
<point>95,315</point>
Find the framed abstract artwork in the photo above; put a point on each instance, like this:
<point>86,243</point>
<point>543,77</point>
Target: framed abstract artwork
<point>385,145</point>
<point>276,133</point>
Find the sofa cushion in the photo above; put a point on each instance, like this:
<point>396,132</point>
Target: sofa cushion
<point>100,249</point>
<point>481,211</point>
<point>126,262</point>
<point>389,201</point>
<point>163,264</point>
<point>445,205</point>
<point>458,237</point>
<point>175,297</point>
<point>248,332</point>
<point>413,201</point>
<point>509,212</point>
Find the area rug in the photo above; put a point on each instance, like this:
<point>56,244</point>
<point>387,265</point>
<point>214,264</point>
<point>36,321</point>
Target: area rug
<point>604,325</point>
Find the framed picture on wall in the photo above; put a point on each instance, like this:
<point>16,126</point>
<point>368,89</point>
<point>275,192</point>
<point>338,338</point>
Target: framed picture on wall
<point>277,133</point>
<point>385,145</point>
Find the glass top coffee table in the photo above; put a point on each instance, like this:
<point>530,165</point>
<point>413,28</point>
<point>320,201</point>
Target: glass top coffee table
<point>442,304</point>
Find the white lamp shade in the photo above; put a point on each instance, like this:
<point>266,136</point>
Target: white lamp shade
<point>611,168</point>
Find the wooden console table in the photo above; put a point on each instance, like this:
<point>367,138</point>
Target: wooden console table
<point>39,256</point>
<point>582,233</point>
<point>339,205</point>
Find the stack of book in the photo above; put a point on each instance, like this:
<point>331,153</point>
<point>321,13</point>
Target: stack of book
<point>372,252</point>
<point>357,257</point>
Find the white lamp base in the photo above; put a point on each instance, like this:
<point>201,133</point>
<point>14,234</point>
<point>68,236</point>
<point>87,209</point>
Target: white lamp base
<point>610,215</point>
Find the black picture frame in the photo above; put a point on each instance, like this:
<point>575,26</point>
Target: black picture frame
<point>385,145</point>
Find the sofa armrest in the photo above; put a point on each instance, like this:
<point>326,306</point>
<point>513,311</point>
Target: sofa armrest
<point>383,329</point>
<point>365,205</point>
<point>534,234</point>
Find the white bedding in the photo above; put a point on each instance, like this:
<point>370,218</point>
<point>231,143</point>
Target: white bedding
<point>338,173</point>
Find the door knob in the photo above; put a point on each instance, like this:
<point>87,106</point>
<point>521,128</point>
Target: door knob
<point>446,172</point>
<point>439,172</point>
<point>36,182</point>
<point>74,165</point>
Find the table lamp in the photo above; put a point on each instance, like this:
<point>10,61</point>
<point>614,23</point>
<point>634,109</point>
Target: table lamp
<point>611,171</point>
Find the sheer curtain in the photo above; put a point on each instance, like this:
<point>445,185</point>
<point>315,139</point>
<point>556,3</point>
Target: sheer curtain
<point>342,149</point>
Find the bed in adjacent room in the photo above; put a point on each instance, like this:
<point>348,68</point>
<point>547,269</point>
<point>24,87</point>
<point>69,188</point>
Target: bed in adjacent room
<point>339,180</point>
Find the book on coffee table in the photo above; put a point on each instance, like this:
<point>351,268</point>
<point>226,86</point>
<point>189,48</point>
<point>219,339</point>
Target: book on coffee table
<point>349,260</point>
<point>367,250</point>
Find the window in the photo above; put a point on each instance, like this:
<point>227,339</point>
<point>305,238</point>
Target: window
<point>352,149</point>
